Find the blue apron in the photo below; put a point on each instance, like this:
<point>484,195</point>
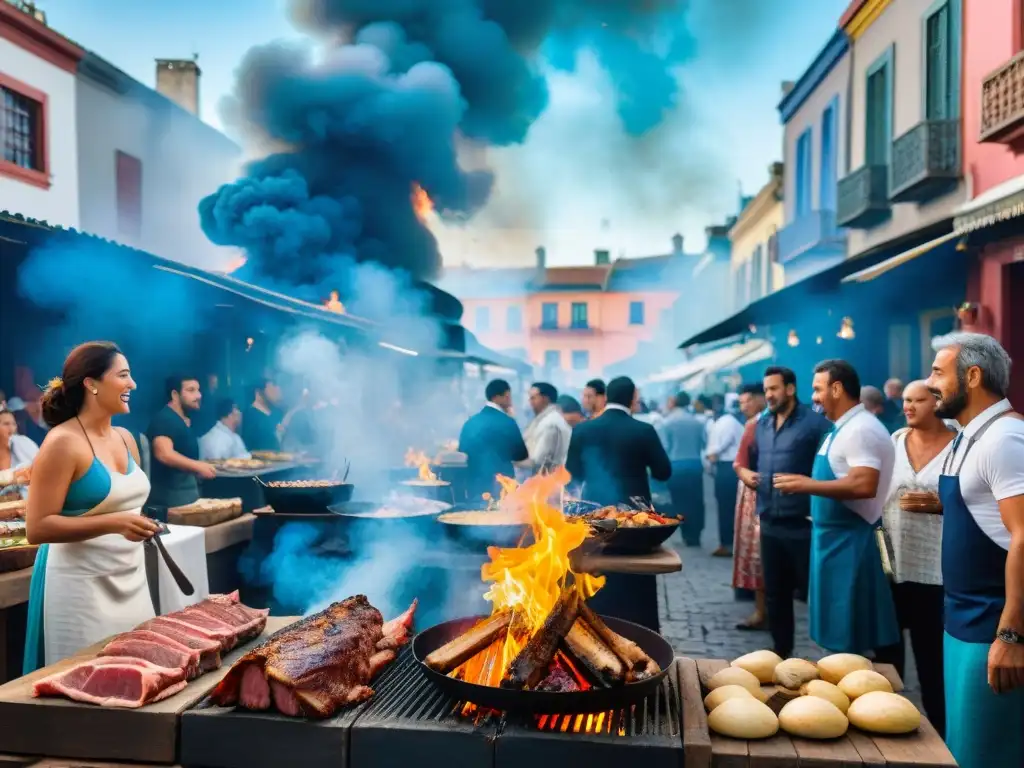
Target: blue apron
<point>983,729</point>
<point>850,604</point>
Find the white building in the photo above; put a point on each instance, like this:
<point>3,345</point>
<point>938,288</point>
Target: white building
<point>84,145</point>
<point>38,164</point>
<point>146,160</point>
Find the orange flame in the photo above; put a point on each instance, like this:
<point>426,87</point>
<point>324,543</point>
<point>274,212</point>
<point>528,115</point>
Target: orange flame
<point>422,205</point>
<point>334,303</point>
<point>235,264</point>
<point>426,475</point>
<point>415,458</point>
<point>528,580</point>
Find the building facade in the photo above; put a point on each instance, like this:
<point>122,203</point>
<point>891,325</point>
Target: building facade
<point>755,271</point>
<point>993,98</point>
<point>38,167</point>
<point>572,323</point>
<point>904,165</point>
<point>814,116</point>
<point>145,161</point>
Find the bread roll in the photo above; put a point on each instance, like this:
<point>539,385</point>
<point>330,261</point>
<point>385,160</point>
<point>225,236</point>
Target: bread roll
<point>828,692</point>
<point>761,664</point>
<point>813,718</point>
<point>723,694</point>
<point>743,718</point>
<point>837,666</point>
<point>862,681</point>
<point>884,712</point>
<point>792,673</point>
<point>737,676</point>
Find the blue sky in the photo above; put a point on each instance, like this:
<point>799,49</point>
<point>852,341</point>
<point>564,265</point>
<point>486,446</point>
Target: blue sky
<point>545,193</point>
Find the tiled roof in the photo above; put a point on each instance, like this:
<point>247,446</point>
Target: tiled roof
<point>498,283</point>
<point>574,278</point>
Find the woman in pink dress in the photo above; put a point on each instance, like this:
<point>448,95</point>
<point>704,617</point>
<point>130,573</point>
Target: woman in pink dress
<point>746,563</point>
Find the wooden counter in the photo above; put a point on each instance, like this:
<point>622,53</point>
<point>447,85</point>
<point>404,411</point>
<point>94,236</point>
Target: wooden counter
<point>704,749</point>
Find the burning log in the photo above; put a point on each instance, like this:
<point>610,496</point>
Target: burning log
<point>531,664</point>
<point>468,644</point>
<point>598,659</point>
<point>639,666</point>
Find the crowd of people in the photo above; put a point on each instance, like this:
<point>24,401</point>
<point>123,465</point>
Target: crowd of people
<point>888,523</point>
<point>892,512</point>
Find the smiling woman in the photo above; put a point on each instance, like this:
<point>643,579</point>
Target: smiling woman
<point>84,507</point>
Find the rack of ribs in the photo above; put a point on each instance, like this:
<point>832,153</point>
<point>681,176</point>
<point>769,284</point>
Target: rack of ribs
<point>318,665</point>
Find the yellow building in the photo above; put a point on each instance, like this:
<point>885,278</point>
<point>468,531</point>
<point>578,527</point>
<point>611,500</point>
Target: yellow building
<point>755,268</point>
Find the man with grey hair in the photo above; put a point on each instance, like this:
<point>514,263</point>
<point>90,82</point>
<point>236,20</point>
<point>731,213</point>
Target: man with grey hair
<point>873,400</point>
<point>982,493</point>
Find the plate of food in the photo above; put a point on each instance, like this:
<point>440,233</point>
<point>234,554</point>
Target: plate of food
<point>635,529</point>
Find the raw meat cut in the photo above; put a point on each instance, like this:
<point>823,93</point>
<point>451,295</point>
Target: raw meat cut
<point>156,659</point>
<point>318,665</point>
<point>113,681</point>
<point>160,652</point>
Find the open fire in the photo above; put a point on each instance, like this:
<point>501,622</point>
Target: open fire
<point>422,205</point>
<point>541,635</point>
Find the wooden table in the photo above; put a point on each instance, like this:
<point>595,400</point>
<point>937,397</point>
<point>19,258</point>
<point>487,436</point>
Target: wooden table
<point>704,749</point>
<point>224,543</point>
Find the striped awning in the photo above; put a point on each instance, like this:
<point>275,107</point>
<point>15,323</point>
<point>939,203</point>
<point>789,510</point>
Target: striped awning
<point>889,264</point>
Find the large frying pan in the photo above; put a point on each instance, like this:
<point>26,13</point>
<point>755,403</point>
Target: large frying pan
<point>361,514</point>
<point>617,540</point>
<point>545,702</point>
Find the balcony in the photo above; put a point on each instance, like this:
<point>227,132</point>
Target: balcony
<point>575,330</point>
<point>863,200</point>
<point>925,161</point>
<point>806,233</point>
<point>1002,103</point>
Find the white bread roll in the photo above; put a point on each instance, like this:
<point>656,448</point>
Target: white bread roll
<point>826,691</point>
<point>744,718</point>
<point>812,718</point>
<point>721,695</point>
<point>837,666</point>
<point>761,664</point>
<point>884,712</point>
<point>862,681</point>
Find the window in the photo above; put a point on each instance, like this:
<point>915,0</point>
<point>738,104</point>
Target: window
<point>129,194</point>
<point>552,360</point>
<point>579,314</point>
<point>756,265</point>
<point>829,158</point>
<point>938,60</point>
<point>580,360</point>
<point>549,315</point>
<point>483,318</point>
<point>23,133</point>
<point>803,173</point>
<point>878,112</point>
<point>636,313</point>
<point>514,319</point>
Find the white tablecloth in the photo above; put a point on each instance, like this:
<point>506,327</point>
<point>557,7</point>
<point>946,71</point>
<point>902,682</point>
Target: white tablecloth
<point>186,545</point>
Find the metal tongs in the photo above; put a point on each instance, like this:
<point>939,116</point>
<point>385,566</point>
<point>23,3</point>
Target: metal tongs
<point>151,547</point>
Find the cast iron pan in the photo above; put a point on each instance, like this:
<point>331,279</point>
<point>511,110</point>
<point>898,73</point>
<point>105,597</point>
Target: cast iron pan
<point>545,702</point>
<point>636,541</point>
<point>479,537</point>
<point>297,500</point>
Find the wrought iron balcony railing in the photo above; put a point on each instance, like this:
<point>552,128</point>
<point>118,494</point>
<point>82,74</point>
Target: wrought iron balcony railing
<point>926,161</point>
<point>863,200</point>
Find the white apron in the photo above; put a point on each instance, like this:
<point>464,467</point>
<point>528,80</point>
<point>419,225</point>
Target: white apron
<point>97,588</point>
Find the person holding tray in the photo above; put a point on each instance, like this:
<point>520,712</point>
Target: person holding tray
<point>84,508</point>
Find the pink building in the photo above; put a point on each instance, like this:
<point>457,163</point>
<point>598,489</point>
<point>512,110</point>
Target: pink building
<point>993,99</point>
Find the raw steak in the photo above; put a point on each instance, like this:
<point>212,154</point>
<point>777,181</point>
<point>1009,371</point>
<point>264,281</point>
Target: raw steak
<point>159,652</point>
<point>209,649</point>
<point>113,681</point>
<point>318,665</point>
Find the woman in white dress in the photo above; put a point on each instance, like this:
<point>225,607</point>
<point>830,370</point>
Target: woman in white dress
<point>84,507</point>
<point>16,455</point>
<point>913,520</point>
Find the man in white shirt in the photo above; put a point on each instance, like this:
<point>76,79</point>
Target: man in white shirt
<point>223,440</point>
<point>982,494</point>
<point>850,601</point>
<point>724,437</point>
<point>547,436</point>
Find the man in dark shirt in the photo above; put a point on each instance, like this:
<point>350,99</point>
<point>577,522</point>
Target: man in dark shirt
<point>491,441</point>
<point>611,455</point>
<point>785,442</point>
<point>594,398</point>
<point>176,468</point>
<point>261,424</point>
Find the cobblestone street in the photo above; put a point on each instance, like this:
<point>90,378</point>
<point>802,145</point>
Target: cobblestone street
<point>699,613</point>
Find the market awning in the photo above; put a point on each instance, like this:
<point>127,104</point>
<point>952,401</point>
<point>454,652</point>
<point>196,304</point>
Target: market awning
<point>889,264</point>
<point>777,307</point>
<point>713,361</point>
<point>1001,203</point>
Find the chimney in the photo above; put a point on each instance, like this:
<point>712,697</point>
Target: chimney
<point>776,171</point>
<point>787,86</point>
<point>602,257</point>
<point>677,244</point>
<point>178,80</point>
<point>542,258</point>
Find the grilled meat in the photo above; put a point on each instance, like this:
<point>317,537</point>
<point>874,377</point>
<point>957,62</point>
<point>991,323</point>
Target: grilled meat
<point>587,648</point>
<point>469,644</point>
<point>530,666</point>
<point>318,665</point>
<point>639,666</point>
